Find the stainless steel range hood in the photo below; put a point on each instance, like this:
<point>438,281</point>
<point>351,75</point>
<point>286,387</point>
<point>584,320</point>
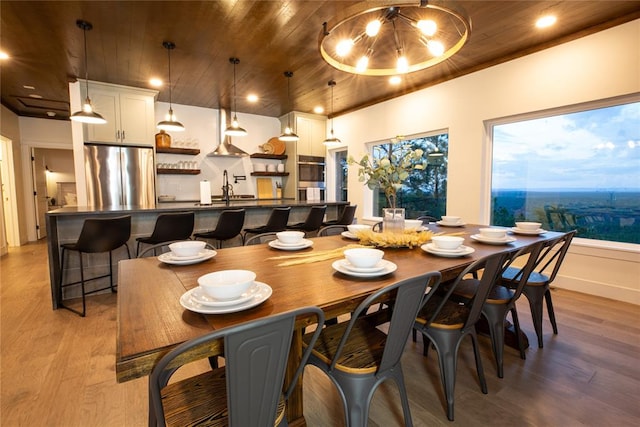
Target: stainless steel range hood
<point>225,147</point>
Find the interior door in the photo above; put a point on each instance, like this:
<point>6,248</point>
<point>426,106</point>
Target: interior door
<point>41,200</point>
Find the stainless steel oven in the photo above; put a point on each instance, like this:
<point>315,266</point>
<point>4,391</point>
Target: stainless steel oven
<point>311,176</point>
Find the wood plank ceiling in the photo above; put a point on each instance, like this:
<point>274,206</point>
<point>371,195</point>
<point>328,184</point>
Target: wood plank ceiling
<point>269,37</point>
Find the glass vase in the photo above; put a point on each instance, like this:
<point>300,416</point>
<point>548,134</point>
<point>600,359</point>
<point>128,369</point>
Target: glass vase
<point>393,220</point>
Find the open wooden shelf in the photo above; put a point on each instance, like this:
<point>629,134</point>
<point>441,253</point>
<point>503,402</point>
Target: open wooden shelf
<point>178,171</point>
<point>269,173</point>
<point>268,156</point>
<point>170,150</point>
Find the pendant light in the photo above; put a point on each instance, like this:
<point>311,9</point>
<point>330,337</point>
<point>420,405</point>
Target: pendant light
<point>86,115</point>
<point>170,123</point>
<point>234,129</point>
<point>288,135</point>
<point>332,140</point>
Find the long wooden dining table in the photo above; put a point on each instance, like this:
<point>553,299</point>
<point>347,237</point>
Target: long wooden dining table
<point>151,321</point>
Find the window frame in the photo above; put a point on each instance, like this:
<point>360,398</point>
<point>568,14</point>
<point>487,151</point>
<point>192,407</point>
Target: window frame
<point>486,183</point>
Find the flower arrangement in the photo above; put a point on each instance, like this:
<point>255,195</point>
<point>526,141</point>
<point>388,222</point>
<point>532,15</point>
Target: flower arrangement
<point>390,172</point>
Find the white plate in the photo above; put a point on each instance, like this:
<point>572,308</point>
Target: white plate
<point>451,224</point>
<point>503,241</point>
<point>290,244</point>
<point>198,295</point>
<point>378,267</point>
<point>389,267</point>
<point>527,232</point>
<point>349,235</point>
<point>462,251</point>
<point>167,258</point>
<point>175,257</point>
<point>261,294</point>
<point>305,244</point>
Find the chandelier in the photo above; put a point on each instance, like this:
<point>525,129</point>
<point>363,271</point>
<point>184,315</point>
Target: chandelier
<point>391,40</point>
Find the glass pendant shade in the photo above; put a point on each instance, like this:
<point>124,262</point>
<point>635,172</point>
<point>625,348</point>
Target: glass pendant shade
<point>170,124</point>
<point>288,135</point>
<point>234,129</point>
<point>86,115</point>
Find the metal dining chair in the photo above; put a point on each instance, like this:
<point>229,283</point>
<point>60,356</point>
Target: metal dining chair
<point>444,323</point>
<point>358,357</point>
<point>261,238</point>
<point>249,391</point>
<point>332,230</point>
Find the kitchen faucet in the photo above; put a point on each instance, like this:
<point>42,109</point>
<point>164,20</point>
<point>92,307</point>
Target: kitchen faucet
<point>225,187</point>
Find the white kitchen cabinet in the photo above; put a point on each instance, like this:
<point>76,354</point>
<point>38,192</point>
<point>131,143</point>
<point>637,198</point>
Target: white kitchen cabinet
<point>312,130</point>
<point>129,113</point>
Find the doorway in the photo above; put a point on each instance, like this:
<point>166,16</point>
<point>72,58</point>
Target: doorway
<point>11,232</point>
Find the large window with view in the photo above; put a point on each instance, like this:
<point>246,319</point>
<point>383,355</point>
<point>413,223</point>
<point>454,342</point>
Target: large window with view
<point>424,192</point>
<point>576,169</point>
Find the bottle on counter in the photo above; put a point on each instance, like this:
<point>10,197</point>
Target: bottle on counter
<point>163,139</point>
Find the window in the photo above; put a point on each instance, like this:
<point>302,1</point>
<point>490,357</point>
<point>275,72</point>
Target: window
<point>574,169</point>
<point>425,191</point>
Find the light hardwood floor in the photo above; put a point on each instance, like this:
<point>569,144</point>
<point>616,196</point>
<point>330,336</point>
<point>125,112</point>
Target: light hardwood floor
<point>57,369</point>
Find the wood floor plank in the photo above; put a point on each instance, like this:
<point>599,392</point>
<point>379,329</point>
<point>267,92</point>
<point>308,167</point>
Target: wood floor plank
<point>57,369</point>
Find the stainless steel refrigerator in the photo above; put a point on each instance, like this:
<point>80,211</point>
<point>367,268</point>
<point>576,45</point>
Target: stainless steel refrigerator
<point>119,175</point>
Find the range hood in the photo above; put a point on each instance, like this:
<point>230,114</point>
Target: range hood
<point>225,147</point>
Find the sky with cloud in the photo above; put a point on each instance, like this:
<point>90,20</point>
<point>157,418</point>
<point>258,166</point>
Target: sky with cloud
<point>588,150</point>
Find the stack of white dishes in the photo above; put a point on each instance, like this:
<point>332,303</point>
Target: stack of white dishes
<point>450,221</point>
<point>364,262</point>
<point>447,246</point>
<point>352,230</point>
<point>493,236</point>
<point>290,241</point>
<point>226,291</point>
<point>187,252</point>
<point>530,228</point>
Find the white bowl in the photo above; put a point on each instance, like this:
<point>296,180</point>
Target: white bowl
<point>363,258</point>
<point>226,284</point>
<point>412,224</point>
<point>354,228</point>
<point>528,226</point>
<point>259,167</point>
<point>493,233</point>
<point>290,237</point>
<point>187,247</point>
<point>450,219</point>
<point>447,242</point>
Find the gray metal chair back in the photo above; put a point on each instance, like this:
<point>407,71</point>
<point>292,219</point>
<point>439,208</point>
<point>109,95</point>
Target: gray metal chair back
<point>169,227</point>
<point>256,355</point>
<point>261,238</point>
<point>229,226</point>
<point>361,356</point>
<point>444,322</point>
<point>332,230</point>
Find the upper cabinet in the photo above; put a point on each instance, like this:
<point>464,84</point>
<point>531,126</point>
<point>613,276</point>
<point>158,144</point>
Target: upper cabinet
<point>129,113</point>
<point>312,130</point>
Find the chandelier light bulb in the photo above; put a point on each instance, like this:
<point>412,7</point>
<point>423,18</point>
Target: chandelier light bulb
<point>435,47</point>
<point>362,64</point>
<point>373,28</point>
<point>402,66</point>
<point>427,27</point>
<point>344,47</point>
<point>87,108</point>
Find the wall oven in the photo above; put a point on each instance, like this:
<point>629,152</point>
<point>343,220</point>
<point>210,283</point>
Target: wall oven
<point>311,176</point>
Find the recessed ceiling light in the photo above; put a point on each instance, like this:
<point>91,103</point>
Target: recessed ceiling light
<point>155,82</point>
<point>252,97</point>
<point>318,109</point>
<point>29,87</point>
<point>33,95</point>
<point>4,55</point>
<point>546,21</point>
<point>395,80</point>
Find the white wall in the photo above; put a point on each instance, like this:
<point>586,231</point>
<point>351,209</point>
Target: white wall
<point>603,65</point>
<point>201,124</point>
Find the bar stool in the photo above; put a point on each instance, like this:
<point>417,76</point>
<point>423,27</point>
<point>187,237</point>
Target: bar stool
<point>277,222</point>
<point>169,227</point>
<point>346,218</point>
<point>97,235</point>
<point>229,226</point>
<point>313,221</point>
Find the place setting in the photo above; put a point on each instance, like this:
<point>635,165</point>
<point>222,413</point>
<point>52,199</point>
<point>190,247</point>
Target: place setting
<point>290,241</point>
<point>451,221</point>
<point>226,291</point>
<point>364,262</point>
<point>353,229</point>
<point>493,236</point>
<point>187,252</point>
<point>447,246</point>
<point>528,228</point>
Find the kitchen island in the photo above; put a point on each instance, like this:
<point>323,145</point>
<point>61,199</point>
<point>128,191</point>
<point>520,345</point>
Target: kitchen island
<point>64,225</point>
